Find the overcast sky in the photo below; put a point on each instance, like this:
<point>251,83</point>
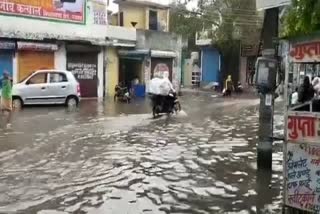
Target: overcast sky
<point>191,5</point>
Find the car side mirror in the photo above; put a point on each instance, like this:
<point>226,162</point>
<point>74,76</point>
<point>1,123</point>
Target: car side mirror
<point>28,82</point>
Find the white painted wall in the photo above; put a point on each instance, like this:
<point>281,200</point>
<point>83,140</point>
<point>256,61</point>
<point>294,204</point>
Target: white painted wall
<point>100,73</point>
<point>147,73</point>
<point>15,68</point>
<point>60,58</point>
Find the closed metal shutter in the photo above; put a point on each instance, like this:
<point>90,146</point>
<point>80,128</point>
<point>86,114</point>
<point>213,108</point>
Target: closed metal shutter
<point>84,66</point>
<point>30,61</point>
<point>5,62</point>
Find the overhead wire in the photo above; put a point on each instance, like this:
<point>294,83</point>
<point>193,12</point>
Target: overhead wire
<point>229,20</point>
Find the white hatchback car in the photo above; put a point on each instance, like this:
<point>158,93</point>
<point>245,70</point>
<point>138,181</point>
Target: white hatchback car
<point>47,87</point>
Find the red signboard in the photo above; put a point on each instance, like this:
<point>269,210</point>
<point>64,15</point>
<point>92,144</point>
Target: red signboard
<point>306,52</point>
<point>61,10</point>
<point>303,128</point>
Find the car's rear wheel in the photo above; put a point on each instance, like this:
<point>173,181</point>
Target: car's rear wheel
<point>72,102</point>
<point>17,103</point>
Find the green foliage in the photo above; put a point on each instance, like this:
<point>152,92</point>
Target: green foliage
<point>227,20</point>
<point>234,19</point>
<point>303,18</point>
<point>185,23</point>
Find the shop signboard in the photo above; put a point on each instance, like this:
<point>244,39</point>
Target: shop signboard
<point>37,46</point>
<point>303,177</point>
<point>302,162</point>
<point>305,52</point>
<point>59,10</point>
<point>267,4</point>
<point>7,45</point>
<point>303,128</point>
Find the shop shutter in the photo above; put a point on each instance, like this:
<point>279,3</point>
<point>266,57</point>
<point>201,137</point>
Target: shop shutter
<point>30,61</point>
<point>5,63</point>
<point>160,65</point>
<point>84,66</point>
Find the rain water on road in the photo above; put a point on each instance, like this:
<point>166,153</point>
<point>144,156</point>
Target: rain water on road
<point>114,158</point>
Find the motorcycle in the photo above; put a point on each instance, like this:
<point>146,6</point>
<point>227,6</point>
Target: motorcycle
<point>239,88</point>
<point>165,104</point>
<point>122,94</point>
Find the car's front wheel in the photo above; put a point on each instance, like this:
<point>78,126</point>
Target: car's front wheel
<point>17,103</point>
<point>71,102</point>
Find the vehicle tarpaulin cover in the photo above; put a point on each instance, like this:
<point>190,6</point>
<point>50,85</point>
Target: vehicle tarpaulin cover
<point>160,86</point>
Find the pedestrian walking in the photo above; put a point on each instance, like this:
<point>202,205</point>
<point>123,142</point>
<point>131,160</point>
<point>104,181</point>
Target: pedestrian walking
<point>228,87</point>
<point>306,91</point>
<point>6,97</point>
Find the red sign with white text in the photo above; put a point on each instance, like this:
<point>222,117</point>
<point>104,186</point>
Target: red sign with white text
<point>303,128</point>
<point>60,10</point>
<point>306,52</point>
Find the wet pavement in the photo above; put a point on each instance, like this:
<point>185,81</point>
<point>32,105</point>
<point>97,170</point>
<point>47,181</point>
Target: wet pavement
<point>115,159</point>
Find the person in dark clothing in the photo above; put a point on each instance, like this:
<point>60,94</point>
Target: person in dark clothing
<point>306,91</point>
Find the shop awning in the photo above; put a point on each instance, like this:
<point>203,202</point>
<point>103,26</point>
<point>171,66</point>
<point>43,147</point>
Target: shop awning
<point>133,53</point>
<point>163,54</point>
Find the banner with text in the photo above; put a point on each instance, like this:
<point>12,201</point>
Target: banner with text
<point>60,10</point>
<point>99,8</point>
<point>303,177</point>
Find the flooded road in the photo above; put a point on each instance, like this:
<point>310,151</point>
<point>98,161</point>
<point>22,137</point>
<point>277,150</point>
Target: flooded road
<point>115,159</point>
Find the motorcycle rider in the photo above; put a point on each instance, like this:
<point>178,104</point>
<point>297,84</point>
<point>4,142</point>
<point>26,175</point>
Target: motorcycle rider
<point>167,83</point>
<point>168,89</point>
<point>160,89</point>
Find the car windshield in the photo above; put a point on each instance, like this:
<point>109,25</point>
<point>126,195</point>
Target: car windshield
<point>21,81</point>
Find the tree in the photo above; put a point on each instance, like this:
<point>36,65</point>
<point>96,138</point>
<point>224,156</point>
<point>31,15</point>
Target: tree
<point>227,19</point>
<point>185,23</point>
<point>234,21</point>
<point>303,18</point>
<point>229,22</point>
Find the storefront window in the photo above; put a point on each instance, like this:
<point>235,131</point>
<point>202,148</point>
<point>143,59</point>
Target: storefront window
<point>298,90</point>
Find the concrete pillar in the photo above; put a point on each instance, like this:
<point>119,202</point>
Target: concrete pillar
<point>112,71</point>
<point>100,73</point>
<point>15,68</point>
<point>60,58</point>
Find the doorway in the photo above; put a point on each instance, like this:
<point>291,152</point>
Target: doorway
<point>130,70</point>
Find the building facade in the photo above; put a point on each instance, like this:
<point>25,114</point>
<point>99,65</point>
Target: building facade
<point>156,50</point>
<point>144,15</point>
<point>70,36</point>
